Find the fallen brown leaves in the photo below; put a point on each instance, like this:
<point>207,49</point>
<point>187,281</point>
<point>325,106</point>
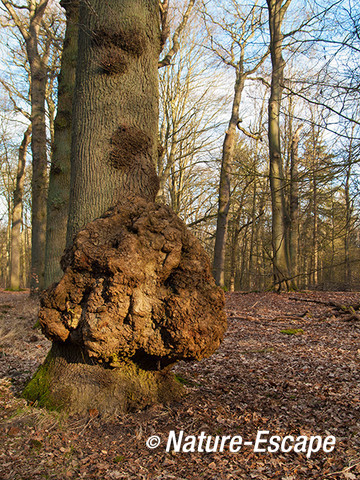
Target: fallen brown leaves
<point>305,382</point>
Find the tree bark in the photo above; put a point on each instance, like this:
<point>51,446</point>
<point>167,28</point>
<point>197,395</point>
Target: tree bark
<point>59,181</point>
<point>315,229</point>
<point>348,216</point>
<point>15,247</point>
<point>39,179</point>
<point>281,266</point>
<point>38,74</point>
<point>294,204</point>
<point>253,228</point>
<point>115,126</point>
<point>234,250</point>
<point>129,274</point>
<point>113,155</point>
<point>225,181</point>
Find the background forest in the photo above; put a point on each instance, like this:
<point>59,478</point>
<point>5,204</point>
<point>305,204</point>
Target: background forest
<point>223,65</point>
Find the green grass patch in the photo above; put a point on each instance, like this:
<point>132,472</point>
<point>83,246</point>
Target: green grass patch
<point>292,331</point>
<point>15,289</point>
<point>36,444</point>
<point>185,381</point>
<point>36,325</point>
<point>119,459</point>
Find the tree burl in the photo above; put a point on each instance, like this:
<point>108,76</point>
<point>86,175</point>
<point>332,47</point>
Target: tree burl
<point>137,290</point>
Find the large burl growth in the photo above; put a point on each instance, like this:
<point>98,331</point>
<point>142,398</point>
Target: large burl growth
<point>137,295</point>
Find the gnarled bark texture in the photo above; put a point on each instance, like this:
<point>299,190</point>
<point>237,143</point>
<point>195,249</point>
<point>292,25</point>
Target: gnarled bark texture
<point>137,293</point>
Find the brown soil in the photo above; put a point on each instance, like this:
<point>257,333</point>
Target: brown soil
<point>304,383</point>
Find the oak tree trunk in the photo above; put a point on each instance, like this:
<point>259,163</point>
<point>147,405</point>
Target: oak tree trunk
<point>113,154</point>
<point>59,181</point>
<point>115,123</point>
<point>137,292</point>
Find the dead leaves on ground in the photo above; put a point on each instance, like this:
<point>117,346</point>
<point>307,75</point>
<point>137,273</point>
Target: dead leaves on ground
<point>301,383</point>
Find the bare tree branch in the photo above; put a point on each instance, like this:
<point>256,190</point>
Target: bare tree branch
<point>164,22</point>
<point>254,136</point>
<point>14,16</point>
<point>11,92</point>
<point>175,39</point>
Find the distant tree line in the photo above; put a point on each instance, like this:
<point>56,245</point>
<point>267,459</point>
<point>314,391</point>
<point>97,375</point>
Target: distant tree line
<point>258,140</point>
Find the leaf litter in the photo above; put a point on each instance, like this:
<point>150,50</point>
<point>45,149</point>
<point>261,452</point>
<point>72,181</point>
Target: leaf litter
<point>304,383</point>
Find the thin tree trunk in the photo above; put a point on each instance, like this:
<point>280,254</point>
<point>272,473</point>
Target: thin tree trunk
<point>348,216</point>
<point>234,250</point>
<point>59,182</point>
<point>23,258</point>
<point>315,232</point>
<point>162,180</point>
<point>225,181</point>
<point>252,237</point>
<point>281,267</point>
<point>8,239</point>
<point>294,204</point>
<point>244,262</point>
<point>51,108</point>
<point>15,248</point>
<point>333,237</point>
<point>258,281</point>
<point>26,250</point>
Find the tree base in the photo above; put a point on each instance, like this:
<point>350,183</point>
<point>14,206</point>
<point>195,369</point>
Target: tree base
<point>70,382</point>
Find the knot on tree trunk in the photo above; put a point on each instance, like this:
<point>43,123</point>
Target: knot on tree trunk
<point>137,286</point>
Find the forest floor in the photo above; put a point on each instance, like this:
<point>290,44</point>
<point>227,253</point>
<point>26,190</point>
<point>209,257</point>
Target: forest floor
<point>287,365</point>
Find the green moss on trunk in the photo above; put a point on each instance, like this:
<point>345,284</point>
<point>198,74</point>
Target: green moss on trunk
<point>37,390</point>
<point>76,385</point>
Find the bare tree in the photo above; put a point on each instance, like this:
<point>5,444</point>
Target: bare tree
<point>239,55</point>
<point>27,19</point>
<point>16,221</point>
<point>281,261</point>
<point>174,44</point>
<point>190,107</point>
